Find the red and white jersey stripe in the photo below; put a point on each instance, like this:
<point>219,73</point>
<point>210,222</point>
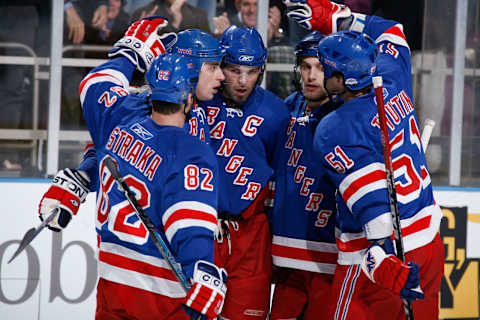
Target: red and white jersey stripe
<point>360,182</point>
<point>417,231</point>
<point>304,254</point>
<point>105,75</point>
<point>394,35</point>
<point>122,265</point>
<point>185,214</point>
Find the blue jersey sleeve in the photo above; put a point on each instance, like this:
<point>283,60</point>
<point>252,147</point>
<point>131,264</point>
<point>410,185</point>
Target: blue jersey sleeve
<point>355,166</point>
<point>102,93</point>
<point>191,197</point>
<point>89,165</point>
<point>393,60</point>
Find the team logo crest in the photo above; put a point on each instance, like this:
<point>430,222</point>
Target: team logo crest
<point>200,114</point>
<point>141,131</point>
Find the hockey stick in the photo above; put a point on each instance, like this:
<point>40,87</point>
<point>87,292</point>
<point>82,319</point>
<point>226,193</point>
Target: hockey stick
<point>427,133</point>
<point>33,233</point>
<point>157,239</point>
<point>392,194</point>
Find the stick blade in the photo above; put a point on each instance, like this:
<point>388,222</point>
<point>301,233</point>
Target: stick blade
<point>27,238</point>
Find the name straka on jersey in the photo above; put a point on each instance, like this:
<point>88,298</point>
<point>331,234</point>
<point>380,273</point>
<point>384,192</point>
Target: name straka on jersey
<point>234,165</point>
<point>314,198</point>
<point>133,150</point>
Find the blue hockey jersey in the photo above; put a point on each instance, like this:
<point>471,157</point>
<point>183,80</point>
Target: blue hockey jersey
<point>348,143</point>
<point>303,220</point>
<point>172,173</point>
<point>244,140</point>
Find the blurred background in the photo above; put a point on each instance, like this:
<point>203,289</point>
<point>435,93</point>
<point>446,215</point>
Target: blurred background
<point>46,47</point>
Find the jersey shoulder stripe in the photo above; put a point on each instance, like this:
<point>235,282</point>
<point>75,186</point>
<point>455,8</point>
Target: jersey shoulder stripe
<point>101,76</point>
<point>394,35</point>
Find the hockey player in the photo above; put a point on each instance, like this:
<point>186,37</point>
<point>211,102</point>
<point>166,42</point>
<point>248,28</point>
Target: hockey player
<point>206,54</point>
<point>304,206</point>
<point>348,143</point>
<point>245,125</point>
<point>174,180</point>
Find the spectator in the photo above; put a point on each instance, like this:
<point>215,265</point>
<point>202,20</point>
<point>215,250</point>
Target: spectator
<point>80,16</point>
<point>210,6</point>
<point>279,51</point>
<point>15,80</point>
<point>247,17</point>
<point>230,7</point>
<point>116,24</point>
<point>180,15</point>
<point>79,11</point>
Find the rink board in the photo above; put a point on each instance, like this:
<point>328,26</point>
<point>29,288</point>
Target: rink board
<point>56,276</point>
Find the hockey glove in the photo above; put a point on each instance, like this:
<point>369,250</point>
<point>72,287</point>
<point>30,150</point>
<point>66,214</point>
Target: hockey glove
<point>69,188</point>
<point>385,269</point>
<point>141,43</point>
<point>205,299</point>
<point>320,15</point>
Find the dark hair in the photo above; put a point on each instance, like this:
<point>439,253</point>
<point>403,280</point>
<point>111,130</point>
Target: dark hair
<point>164,107</point>
<point>363,91</point>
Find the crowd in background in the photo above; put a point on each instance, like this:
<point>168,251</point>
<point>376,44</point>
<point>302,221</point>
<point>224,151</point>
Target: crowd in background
<point>102,22</point>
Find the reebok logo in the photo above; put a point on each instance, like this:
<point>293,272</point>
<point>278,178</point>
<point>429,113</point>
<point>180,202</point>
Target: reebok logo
<point>141,131</point>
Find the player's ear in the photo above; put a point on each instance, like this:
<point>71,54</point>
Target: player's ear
<point>338,77</point>
<point>189,103</point>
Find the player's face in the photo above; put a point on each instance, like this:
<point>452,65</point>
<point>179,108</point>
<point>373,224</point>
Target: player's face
<point>248,9</point>
<point>311,71</point>
<point>240,81</point>
<point>209,80</point>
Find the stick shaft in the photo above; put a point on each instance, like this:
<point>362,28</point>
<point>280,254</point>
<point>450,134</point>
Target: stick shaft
<point>392,194</point>
<point>157,239</point>
<point>427,133</point>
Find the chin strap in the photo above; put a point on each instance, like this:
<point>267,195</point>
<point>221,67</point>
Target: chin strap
<point>333,97</point>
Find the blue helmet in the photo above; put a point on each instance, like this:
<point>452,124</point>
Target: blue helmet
<point>171,78</point>
<point>351,53</point>
<point>307,47</point>
<point>200,46</point>
<point>244,46</point>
